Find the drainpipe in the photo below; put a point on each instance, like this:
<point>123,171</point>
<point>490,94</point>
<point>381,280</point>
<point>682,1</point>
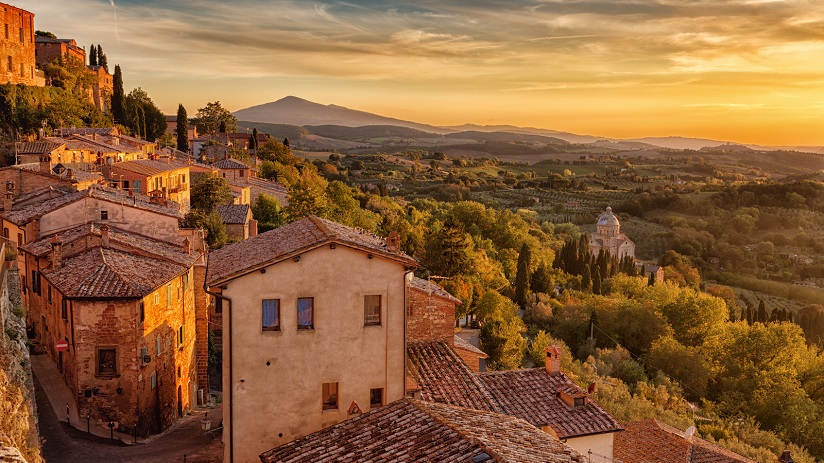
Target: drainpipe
<point>231,369</point>
<point>405,309</point>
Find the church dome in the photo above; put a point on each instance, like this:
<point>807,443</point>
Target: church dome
<point>608,219</point>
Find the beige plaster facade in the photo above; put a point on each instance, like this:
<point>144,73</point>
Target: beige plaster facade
<point>273,380</point>
<point>599,444</point>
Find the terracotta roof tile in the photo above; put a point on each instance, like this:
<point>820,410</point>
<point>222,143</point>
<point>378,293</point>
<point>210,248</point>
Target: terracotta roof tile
<point>233,213</point>
<point>651,441</point>
<point>39,147</point>
<point>432,289</point>
<point>30,212</point>
<point>230,163</point>
<point>531,395</point>
<point>150,166</point>
<point>461,343</point>
<point>120,239</point>
<point>444,377</point>
<point>409,430</point>
<point>106,273</point>
<point>267,248</point>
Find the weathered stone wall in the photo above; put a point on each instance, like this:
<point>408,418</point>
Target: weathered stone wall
<point>18,429</point>
<point>17,56</point>
<point>429,317</point>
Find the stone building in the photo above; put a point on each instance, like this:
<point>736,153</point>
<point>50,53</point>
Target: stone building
<point>608,237</point>
<point>102,87</point>
<point>313,330</point>
<point>48,49</point>
<point>125,306</point>
<point>17,48</point>
<point>165,179</point>
<point>239,174</point>
<point>238,221</point>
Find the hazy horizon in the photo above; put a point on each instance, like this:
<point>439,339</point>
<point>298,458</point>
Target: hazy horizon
<point>740,70</point>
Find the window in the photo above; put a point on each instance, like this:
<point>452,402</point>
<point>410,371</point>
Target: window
<point>9,65</point>
<point>306,316</point>
<point>270,312</point>
<point>180,336</point>
<point>35,282</point>
<point>156,298</point>
<point>64,309</point>
<point>48,292</point>
<point>186,281</point>
<point>330,396</point>
<point>144,352</point>
<point>375,397</point>
<point>169,295</point>
<point>241,173</point>
<point>579,402</point>
<point>158,344</point>
<point>136,185</point>
<point>141,309</point>
<point>154,381</point>
<point>104,215</point>
<point>106,361</point>
<point>7,31</point>
<point>22,39</point>
<point>371,310</point>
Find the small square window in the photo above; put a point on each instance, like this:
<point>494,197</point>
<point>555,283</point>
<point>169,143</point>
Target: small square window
<point>371,310</point>
<point>106,361</point>
<point>376,397</point>
<point>330,396</point>
<point>270,313</point>
<point>306,313</point>
<point>104,215</point>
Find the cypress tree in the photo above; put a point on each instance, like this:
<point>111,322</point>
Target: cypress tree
<point>222,128</point>
<point>522,275</point>
<point>286,142</point>
<point>253,141</point>
<point>92,56</point>
<point>182,129</point>
<point>101,58</point>
<point>761,315</point>
<point>586,278</point>
<point>651,281</point>
<point>118,96</point>
<point>596,281</point>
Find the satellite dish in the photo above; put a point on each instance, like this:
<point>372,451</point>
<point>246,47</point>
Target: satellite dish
<point>689,432</point>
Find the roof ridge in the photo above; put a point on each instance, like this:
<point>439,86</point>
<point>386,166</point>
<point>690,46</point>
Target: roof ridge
<point>317,221</point>
<point>114,270</point>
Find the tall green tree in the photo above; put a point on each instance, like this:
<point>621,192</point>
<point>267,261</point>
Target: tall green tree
<point>522,275</point>
<point>208,192</point>
<point>182,129</point>
<point>142,116</point>
<point>449,251</point>
<point>253,141</point>
<point>213,118</point>
<point>102,60</point>
<point>92,56</point>
<point>118,96</point>
<point>266,210</point>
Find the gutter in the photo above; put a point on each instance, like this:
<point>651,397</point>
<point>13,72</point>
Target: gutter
<point>405,310</point>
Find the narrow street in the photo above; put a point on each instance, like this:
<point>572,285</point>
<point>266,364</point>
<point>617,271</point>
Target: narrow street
<point>63,443</point>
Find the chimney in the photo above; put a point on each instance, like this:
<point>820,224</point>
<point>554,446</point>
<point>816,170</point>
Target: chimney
<point>45,164</point>
<point>393,242</point>
<point>187,246</point>
<point>553,360</point>
<point>104,235</point>
<point>592,389</point>
<point>70,174</point>
<point>57,251</point>
<point>785,457</point>
<point>8,200</point>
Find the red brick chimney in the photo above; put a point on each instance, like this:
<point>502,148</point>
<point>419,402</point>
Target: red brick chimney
<point>8,199</point>
<point>393,242</point>
<point>187,246</point>
<point>785,457</point>
<point>104,235</point>
<point>57,251</point>
<point>45,164</point>
<point>553,360</point>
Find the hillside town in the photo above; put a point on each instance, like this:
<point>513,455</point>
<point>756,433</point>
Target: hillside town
<point>146,293</point>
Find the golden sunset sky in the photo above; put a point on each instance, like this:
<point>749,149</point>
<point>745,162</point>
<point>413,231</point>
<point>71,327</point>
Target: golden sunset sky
<point>747,71</point>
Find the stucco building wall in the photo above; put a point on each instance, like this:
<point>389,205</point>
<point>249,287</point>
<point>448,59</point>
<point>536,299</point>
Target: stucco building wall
<point>273,379</point>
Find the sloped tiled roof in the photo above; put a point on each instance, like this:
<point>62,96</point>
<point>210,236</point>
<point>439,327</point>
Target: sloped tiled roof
<point>30,212</point>
<point>233,213</point>
<point>106,273</point>
<point>133,242</point>
<point>38,147</point>
<point>651,441</point>
<point>150,166</point>
<point>531,395</point>
<point>413,431</point>
<point>432,289</point>
<point>305,234</point>
<point>230,163</point>
<point>52,191</point>
<point>461,343</point>
<point>443,377</point>
<point>77,175</point>
<point>259,185</point>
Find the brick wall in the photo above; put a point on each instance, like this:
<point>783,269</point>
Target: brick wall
<point>17,64</point>
<point>26,180</point>
<point>202,301</point>
<point>429,317</point>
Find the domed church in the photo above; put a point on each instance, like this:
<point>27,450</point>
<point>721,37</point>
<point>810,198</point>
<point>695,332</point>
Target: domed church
<point>608,237</point>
